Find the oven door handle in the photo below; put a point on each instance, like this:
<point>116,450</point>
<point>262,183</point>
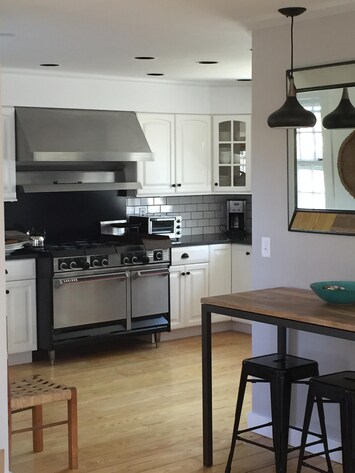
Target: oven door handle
<point>104,277</point>
<point>152,272</point>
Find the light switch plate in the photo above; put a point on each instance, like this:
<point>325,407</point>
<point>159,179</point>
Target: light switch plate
<point>265,247</point>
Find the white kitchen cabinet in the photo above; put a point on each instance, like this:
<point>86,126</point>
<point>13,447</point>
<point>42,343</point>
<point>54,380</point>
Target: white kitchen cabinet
<point>181,145</point>
<point>158,176</point>
<point>241,268</point>
<point>193,153</point>
<point>8,150</point>
<point>220,273</point>
<point>189,282</point>
<point>21,305</point>
<point>231,153</point>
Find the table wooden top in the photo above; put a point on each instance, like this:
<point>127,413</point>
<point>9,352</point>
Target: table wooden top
<point>300,305</point>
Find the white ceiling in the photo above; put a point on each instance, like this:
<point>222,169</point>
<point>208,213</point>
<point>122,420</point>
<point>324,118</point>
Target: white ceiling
<point>102,37</point>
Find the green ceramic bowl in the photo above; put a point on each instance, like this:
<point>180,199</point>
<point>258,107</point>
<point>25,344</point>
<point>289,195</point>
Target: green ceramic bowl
<point>335,292</point>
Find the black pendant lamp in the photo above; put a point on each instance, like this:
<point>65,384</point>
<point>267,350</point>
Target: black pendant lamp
<point>343,116</point>
<point>291,114</point>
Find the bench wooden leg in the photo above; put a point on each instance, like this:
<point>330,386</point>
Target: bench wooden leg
<point>37,434</point>
<point>73,430</point>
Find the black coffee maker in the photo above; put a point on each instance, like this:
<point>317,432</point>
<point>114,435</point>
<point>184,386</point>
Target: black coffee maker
<point>236,214</point>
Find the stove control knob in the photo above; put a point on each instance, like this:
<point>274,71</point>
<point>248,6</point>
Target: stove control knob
<point>145,259</point>
<point>73,265</point>
<point>158,255</point>
<point>134,259</point>
<point>125,260</point>
<point>104,262</point>
<point>63,265</point>
<point>95,263</point>
<point>85,265</point>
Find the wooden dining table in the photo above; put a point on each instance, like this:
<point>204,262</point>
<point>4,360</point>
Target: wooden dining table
<point>283,307</point>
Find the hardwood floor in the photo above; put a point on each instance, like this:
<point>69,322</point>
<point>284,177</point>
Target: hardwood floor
<point>139,410</point>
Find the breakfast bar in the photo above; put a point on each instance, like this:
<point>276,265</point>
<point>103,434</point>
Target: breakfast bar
<point>285,308</point>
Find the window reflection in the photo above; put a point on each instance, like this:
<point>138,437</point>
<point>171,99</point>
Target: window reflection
<point>309,155</point>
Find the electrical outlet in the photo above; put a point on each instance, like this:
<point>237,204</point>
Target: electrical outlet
<point>141,211</point>
<point>265,247</point>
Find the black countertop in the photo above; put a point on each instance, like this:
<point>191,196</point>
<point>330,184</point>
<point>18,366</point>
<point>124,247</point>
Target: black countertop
<point>210,239</point>
<point>193,240</point>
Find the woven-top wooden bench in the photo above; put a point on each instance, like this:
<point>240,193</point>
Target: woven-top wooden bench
<point>31,393</point>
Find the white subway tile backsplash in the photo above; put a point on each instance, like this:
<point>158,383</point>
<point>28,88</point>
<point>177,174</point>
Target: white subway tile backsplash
<point>200,214</point>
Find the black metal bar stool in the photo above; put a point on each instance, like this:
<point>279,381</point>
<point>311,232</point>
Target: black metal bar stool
<point>280,371</point>
<point>332,388</point>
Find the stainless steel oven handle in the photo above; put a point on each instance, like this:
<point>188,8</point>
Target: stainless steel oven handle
<point>103,277</point>
<point>150,272</point>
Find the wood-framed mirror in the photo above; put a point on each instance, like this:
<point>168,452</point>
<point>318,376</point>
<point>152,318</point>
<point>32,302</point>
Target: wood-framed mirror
<point>320,181</point>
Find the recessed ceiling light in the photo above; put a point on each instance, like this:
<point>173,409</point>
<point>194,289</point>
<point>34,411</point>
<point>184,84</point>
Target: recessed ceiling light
<point>49,64</point>
<point>144,58</point>
<point>207,62</point>
<point>155,74</point>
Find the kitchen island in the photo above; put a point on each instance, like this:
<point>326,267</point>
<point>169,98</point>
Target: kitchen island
<point>281,307</point>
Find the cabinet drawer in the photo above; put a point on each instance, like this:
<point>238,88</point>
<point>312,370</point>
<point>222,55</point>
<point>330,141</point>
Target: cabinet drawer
<point>20,269</point>
<point>190,254</point>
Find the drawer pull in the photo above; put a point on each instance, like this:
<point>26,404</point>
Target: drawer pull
<point>184,256</point>
<point>7,291</point>
<point>247,253</point>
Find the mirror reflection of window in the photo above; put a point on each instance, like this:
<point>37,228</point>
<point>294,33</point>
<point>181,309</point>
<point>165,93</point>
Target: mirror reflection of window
<point>309,155</point>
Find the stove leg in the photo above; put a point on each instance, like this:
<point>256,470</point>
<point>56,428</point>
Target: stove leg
<point>51,356</point>
<point>157,339</point>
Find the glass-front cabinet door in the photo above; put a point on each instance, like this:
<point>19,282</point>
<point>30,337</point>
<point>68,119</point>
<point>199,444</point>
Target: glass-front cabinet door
<point>231,156</point>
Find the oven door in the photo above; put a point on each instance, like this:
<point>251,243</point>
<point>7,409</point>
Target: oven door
<point>150,292</point>
<point>83,299</point>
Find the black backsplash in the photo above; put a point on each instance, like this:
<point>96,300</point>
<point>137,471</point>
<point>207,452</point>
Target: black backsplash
<point>64,216</point>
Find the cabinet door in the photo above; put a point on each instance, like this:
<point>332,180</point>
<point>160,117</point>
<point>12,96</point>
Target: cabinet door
<point>196,287</point>
<point>231,153</point>
<point>21,316</point>
<point>8,149</point>
<point>241,268</point>
<point>193,153</point>
<point>220,273</point>
<point>176,297</point>
<point>158,176</point>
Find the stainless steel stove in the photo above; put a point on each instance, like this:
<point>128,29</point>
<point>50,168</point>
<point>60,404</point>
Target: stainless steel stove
<point>106,288</point>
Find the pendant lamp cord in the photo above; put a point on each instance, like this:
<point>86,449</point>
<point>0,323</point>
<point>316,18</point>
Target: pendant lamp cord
<point>291,48</point>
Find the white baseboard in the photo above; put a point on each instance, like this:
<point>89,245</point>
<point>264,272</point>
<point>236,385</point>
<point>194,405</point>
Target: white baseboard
<point>294,436</point>
<point>20,358</point>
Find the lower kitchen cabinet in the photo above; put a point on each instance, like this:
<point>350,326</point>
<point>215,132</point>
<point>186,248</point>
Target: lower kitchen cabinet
<point>188,284</point>
<point>241,271</point>
<point>206,270</point>
<point>241,268</point>
<point>220,273</point>
<point>21,306</point>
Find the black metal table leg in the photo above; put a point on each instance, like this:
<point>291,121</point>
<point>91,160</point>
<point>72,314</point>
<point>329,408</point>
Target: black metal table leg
<point>207,387</point>
<point>282,340</point>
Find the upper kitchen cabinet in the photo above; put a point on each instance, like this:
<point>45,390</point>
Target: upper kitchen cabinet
<point>181,145</point>
<point>193,154</point>
<point>8,149</point>
<point>231,153</point>
<point>158,176</point>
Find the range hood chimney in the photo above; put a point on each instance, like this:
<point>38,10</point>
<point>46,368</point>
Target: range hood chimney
<point>45,136</point>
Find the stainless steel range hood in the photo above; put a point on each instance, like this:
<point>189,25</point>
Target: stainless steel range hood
<point>70,140</point>
<point>47,135</point>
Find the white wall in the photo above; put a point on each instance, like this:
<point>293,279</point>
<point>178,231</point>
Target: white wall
<point>3,342</point>
<point>297,259</point>
<point>53,90</point>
